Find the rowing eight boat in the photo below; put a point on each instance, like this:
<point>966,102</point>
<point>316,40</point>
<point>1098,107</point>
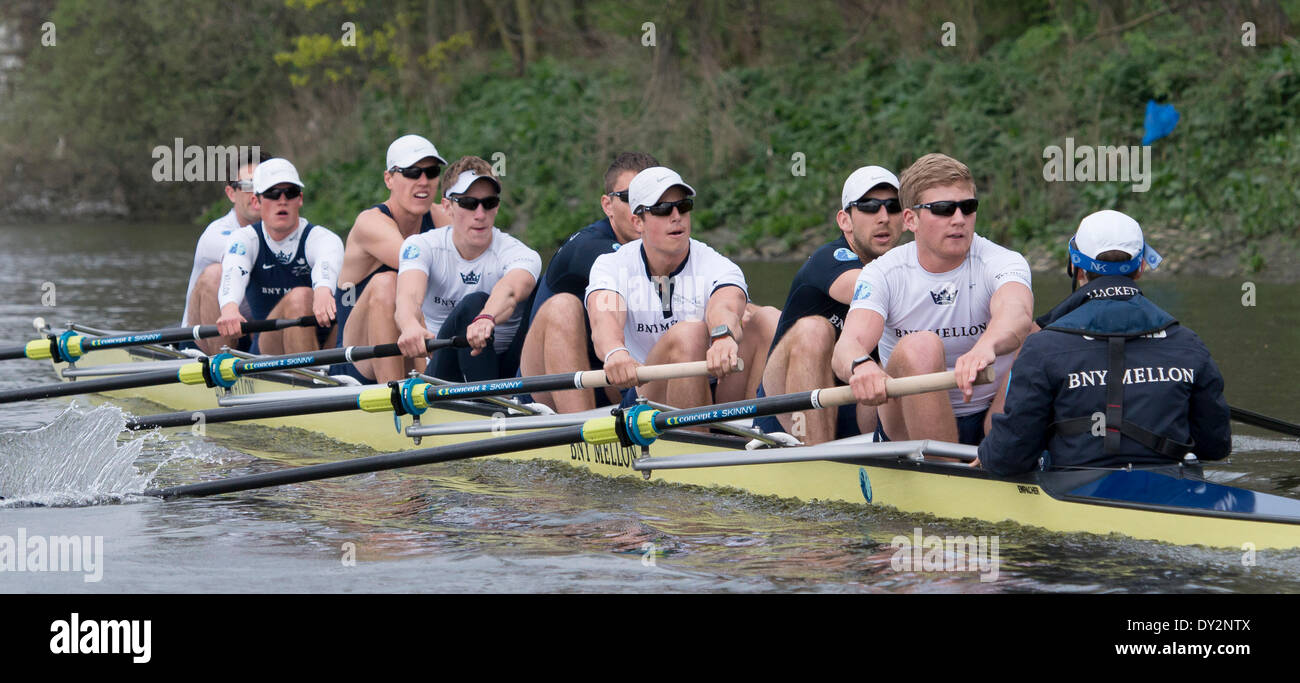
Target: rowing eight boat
<point>1173,504</point>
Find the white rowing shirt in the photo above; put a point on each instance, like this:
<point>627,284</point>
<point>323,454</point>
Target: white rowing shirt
<point>452,277</point>
<point>953,305</point>
<point>649,313</point>
<point>323,251</point>
<point>210,249</point>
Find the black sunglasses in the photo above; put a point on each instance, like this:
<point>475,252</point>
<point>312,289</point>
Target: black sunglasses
<point>275,193</point>
<point>242,185</point>
<point>618,195</point>
<point>471,203</point>
<point>873,205</point>
<point>666,208</point>
<point>413,172</point>
<point>948,208</point>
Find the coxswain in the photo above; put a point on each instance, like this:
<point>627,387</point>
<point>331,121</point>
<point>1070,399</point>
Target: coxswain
<point>1064,401</point>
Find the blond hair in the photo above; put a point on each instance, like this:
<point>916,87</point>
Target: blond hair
<point>459,166</point>
<point>932,170</point>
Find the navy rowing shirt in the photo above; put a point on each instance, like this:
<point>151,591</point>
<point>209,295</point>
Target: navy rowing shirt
<point>810,293</point>
<point>570,268</point>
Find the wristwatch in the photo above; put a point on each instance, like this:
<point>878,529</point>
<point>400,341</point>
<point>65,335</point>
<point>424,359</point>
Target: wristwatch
<point>858,361</point>
<point>719,332</point>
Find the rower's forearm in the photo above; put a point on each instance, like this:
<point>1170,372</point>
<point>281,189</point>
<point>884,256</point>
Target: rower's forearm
<point>1006,336</point>
<point>726,311</point>
<point>500,304</point>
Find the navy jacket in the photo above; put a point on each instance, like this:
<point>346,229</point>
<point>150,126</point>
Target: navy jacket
<point>1172,386</point>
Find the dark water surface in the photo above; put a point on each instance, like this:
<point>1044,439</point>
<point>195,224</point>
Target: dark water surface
<point>500,526</point>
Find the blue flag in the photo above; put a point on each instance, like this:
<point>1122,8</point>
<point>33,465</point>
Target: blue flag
<point>1161,121</point>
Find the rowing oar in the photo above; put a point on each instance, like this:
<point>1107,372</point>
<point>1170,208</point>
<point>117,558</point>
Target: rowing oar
<point>1253,418</point>
<point>414,397</point>
<point>69,346</point>
<point>221,370</point>
<point>637,426</point>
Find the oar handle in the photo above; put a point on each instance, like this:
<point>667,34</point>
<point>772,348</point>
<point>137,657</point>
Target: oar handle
<point>655,373</point>
<point>904,386</point>
<point>273,324</point>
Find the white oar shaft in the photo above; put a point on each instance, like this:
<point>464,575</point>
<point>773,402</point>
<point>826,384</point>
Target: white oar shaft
<point>593,379</point>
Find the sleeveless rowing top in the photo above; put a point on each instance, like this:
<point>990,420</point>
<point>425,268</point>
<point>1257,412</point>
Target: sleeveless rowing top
<point>271,279</point>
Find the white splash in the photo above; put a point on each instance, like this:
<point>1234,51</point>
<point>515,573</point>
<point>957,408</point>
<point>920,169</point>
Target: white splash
<point>75,460</point>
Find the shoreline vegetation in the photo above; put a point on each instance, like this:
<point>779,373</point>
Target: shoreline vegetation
<point>764,106</point>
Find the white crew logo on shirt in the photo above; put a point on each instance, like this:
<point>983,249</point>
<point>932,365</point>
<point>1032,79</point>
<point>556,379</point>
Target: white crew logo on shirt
<point>945,294</point>
<point>237,248</point>
<point>470,278</point>
<point>411,251</point>
<point>862,291</point>
<point>843,254</point>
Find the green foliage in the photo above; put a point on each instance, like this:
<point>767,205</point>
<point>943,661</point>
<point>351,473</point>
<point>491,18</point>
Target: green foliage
<point>738,95</point>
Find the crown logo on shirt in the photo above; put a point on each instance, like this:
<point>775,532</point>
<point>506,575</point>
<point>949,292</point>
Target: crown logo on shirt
<point>945,295</point>
<point>470,278</point>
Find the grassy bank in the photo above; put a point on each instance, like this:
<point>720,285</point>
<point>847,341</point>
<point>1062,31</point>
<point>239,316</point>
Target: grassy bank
<point>763,106</point>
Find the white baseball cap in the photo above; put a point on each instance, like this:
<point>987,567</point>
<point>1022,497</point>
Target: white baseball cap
<point>408,149</point>
<point>467,178</point>
<point>1111,231</point>
<point>651,184</point>
<point>272,172</point>
<point>862,181</point>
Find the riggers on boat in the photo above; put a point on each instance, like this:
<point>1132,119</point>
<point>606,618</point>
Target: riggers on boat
<point>1172,504</point>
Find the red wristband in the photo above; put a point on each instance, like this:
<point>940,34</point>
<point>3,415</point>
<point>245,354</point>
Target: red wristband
<point>484,316</point>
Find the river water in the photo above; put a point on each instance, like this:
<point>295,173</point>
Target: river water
<point>496,526</point>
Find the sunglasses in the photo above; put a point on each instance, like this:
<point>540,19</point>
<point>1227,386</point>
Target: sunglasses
<point>472,203</point>
<point>618,195</point>
<point>275,193</point>
<point>873,205</point>
<point>414,172</point>
<point>666,208</point>
<point>948,208</point>
<point>242,185</point>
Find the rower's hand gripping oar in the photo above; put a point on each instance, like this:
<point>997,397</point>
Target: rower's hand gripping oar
<point>69,346</point>
<point>639,425</point>
<point>414,397</point>
<point>221,370</point>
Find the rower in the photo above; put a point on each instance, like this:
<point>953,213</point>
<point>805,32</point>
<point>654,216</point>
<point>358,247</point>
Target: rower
<point>949,300</point>
<point>467,279</point>
<point>666,298</point>
<point>871,220</point>
<point>205,277</point>
<point>373,252</point>
<point>560,327</point>
<point>283,265</point>
<point>1064,398</point>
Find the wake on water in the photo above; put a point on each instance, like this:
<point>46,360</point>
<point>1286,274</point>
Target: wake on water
<point>78,460</point>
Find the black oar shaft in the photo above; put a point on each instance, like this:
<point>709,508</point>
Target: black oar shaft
<point>89,386</point>
<point>242,367</point>
<point>375,463</point>
<point>166,336</point>
<point>250,412</point>
<point>1251,417</point>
